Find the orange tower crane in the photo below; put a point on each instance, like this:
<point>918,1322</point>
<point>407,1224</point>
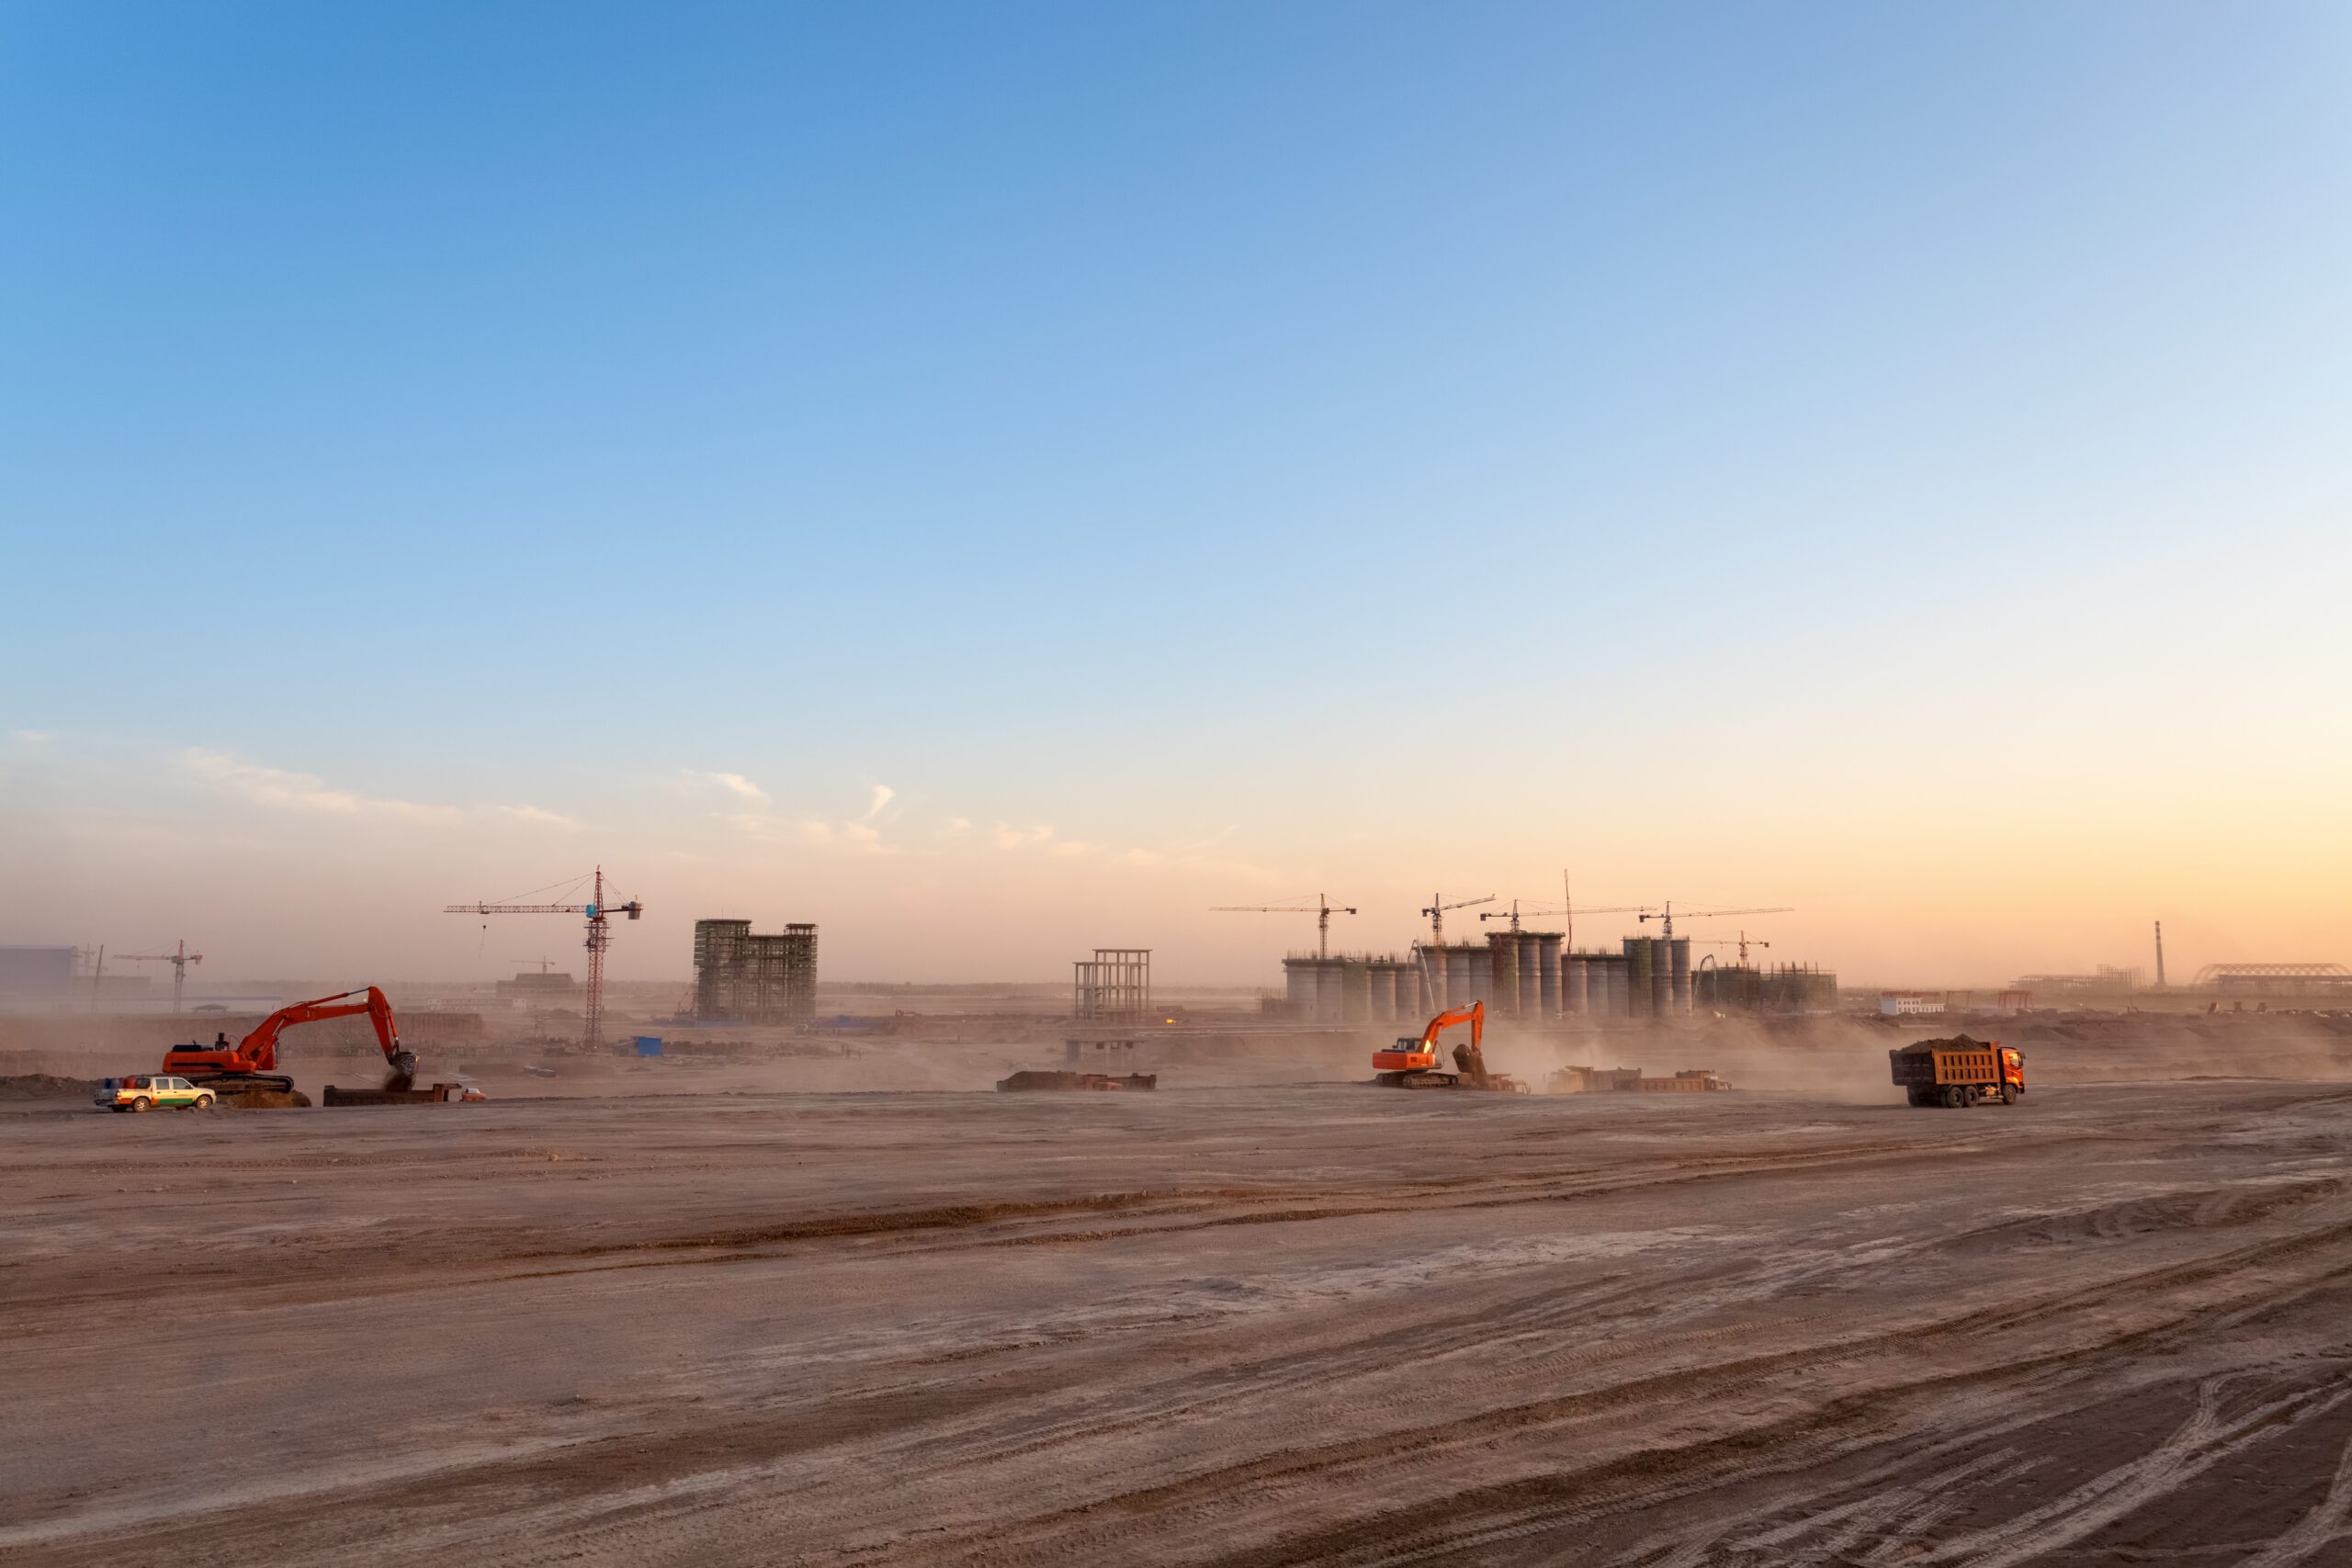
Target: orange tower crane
<point>600,937</point>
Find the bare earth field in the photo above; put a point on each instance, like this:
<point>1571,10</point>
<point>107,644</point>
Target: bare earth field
<point>1247,1326</point>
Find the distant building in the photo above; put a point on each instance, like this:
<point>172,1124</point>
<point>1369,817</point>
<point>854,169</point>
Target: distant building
<point>2107,979</point>
<point>742,977</point>
<point>2316,982</point>
<point>542,989</point>
<point>1782,989</point>
<point>1894,1004</point>
<point>35,977</point>
<point>1113,986</point>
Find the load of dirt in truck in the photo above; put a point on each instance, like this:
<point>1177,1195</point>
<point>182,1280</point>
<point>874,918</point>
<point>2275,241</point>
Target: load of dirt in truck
<point>1958,1072</point>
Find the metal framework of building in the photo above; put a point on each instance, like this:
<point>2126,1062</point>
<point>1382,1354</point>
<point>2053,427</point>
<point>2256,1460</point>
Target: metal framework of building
<point>2277,979</point>
<point>1114,986</point>
<point>743,977</point>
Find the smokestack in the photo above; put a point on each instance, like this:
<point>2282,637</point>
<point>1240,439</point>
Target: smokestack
<point>2160,955</point>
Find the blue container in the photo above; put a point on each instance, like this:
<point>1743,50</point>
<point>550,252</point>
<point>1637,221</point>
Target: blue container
<point>648,1045</point>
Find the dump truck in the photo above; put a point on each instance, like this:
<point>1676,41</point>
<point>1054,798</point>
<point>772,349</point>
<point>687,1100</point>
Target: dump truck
<point>1959,1072</point>
<point>1412,1064</point>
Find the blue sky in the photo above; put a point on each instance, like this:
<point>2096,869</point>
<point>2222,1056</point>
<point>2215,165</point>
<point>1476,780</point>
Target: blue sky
<point>1885,459</point>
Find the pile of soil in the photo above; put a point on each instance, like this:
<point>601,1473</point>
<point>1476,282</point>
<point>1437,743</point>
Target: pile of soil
<point>46,1086</point>
<point>265,1099</point>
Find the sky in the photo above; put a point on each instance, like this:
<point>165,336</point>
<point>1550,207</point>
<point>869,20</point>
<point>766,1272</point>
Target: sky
<point>999,480</point>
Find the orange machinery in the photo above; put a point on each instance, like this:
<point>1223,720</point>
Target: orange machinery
<point>1959,1072</point>
<point>1412,1064</point>
<point>251,1063</point>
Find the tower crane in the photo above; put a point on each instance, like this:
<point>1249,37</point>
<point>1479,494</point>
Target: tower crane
<point>1436,912</point>
<point>1515,911</point>
<point>1667,929</point>
<point>179,962</point>
<point>600,937</point>
<point>1322,909</point>
<point>1742,943</point>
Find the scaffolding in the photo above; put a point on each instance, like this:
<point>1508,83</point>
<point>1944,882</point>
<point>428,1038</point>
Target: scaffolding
<point>1114,986</point>
<point>742,977</point>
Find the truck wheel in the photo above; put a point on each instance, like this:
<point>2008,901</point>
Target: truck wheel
<point>2008,1094</point>
<point>142,1103</point>
<point>1956,1098</point>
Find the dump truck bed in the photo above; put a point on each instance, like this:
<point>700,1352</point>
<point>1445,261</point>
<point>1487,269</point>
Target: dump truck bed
<point>1936,1064</point>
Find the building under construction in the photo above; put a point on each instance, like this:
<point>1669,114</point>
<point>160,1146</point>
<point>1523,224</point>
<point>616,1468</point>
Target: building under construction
<point>741,977</point>
<point>1113,986</point>
<point>1532,977</point>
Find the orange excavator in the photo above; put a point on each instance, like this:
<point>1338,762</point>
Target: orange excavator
<point>1412,1064</point>
<point>250,1065</point>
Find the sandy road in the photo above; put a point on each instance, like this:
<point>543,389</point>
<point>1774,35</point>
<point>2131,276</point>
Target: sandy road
<point>1248,1326</point>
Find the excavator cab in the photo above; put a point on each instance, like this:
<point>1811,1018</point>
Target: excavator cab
<point>1407,1055</point>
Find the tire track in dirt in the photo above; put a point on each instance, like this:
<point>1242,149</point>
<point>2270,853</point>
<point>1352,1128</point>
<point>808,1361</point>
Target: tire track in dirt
<point>1629,1480</point>
<point>1474,1333</point>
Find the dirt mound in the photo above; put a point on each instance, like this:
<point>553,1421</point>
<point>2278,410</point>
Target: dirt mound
<point>266,1100</point>
<point>46,1086</point>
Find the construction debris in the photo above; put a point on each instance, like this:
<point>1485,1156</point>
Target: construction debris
<point>1022,1081</point>
<point>1629,1080</point>
<point>439,1094</point>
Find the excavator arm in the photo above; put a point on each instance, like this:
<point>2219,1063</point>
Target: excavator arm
<point>1474,1015</point>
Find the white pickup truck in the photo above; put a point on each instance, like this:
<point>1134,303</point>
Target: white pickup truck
<point>146,1091</point>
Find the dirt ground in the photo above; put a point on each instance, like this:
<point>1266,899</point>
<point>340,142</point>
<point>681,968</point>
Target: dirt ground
<point>1245,1325</point>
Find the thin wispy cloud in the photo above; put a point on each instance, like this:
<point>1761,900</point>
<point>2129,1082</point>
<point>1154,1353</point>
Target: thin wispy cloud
<point>1188,857</point>
<point>733,784</point>
<point>753,814</point>
<point>281,789</point>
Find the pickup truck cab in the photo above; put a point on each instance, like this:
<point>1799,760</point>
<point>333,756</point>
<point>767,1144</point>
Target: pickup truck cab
<point>146,1091</point>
